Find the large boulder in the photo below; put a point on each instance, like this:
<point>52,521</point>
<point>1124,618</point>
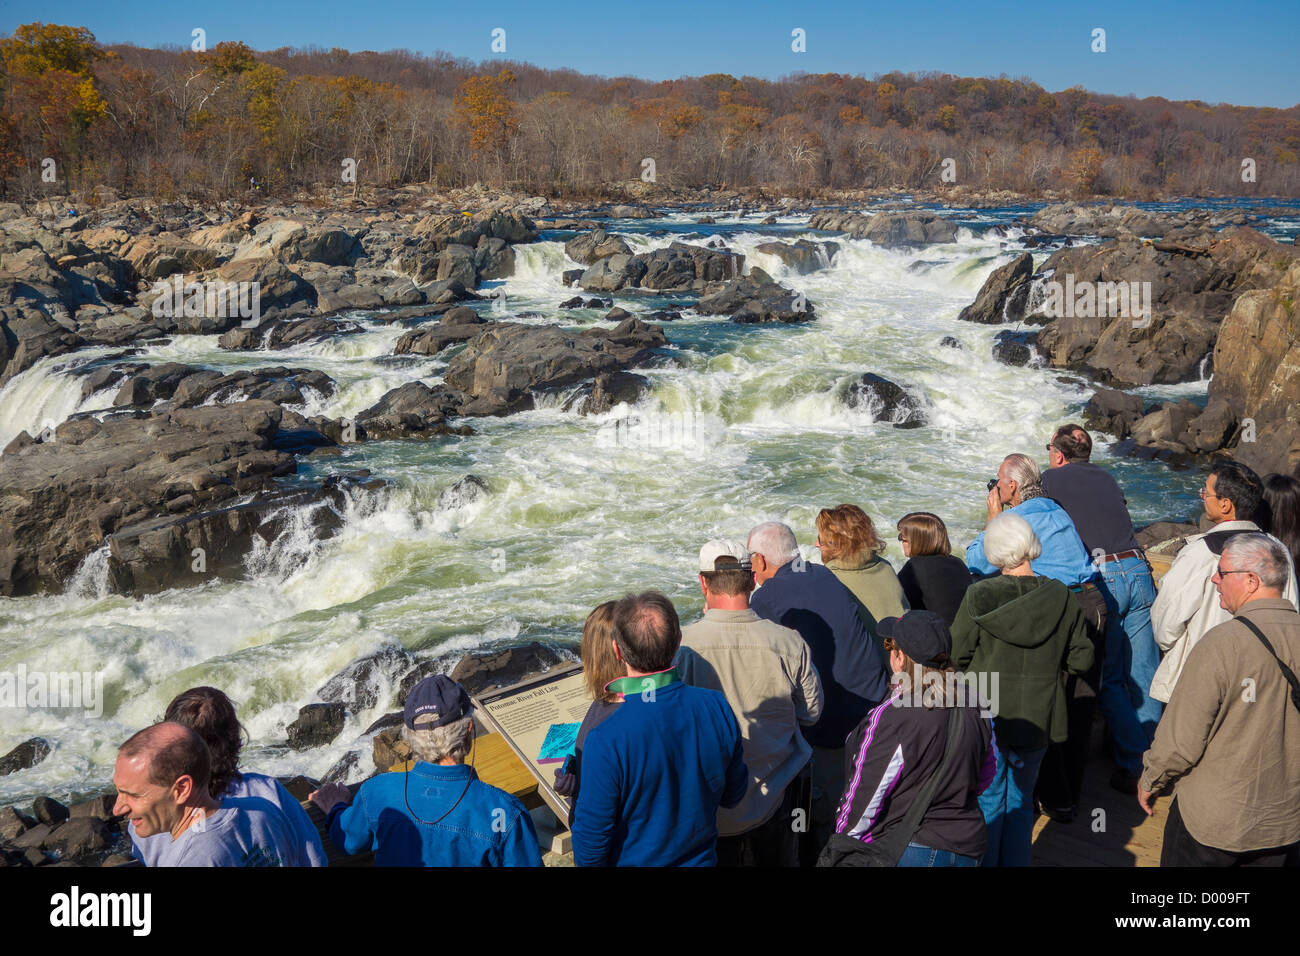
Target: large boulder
<point>289,240</point>
<point>29,334</point>
<point>457,325</point>
<point>1004,293</point>
<point>158,490</point>
<point>756,298</point>
<point>1112,221</point>
<point>1257,374</point>
<point>505,363</point>
<point>892,229</point>
<point>679,267</point>
<point>286,333</point>
<point>485,670</point>
<point>597,244</point>
<point>1187,293</point>
<point>803,255</point>
<point>1110,410</point>
<point>413,410</point>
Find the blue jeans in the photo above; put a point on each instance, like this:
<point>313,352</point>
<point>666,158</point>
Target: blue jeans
<point>917,855</point>
<point>1008,807</point>
<point>1131,661</point>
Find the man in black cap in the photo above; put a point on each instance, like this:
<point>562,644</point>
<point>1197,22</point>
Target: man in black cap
<point>436,813</point>
<point>900,745</point>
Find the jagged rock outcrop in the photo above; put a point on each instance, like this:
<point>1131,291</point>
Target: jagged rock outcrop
<point>756,297</point>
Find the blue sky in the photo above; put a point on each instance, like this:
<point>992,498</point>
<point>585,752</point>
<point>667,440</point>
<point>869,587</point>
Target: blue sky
<point>1237,52</point>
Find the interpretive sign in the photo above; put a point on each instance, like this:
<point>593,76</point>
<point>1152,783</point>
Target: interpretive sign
<point>539,719</point>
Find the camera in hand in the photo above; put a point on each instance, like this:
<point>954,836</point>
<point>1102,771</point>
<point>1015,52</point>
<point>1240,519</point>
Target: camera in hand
<point>993,483</point>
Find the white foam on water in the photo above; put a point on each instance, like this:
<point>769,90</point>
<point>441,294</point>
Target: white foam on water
<point>45,395</point>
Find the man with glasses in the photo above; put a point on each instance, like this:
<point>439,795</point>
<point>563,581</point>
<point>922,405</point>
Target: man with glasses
<point>1187,605</point>
<point>1230,738</point>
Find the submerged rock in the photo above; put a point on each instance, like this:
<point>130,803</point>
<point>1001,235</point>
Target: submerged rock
<point>27,754</point>
<point>316,726</point>
<point>887,401</point>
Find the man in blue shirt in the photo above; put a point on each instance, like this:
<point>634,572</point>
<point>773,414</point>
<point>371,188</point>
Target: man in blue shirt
<point>437,813</point>
<point>1019,490</point>
<point>810,599</point>
<point>655,773</point>
<point>162,776</point>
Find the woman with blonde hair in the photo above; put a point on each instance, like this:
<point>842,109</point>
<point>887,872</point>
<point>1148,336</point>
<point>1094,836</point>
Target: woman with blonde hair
<point>851,549</point>
<point>599,667</point>
<point>933,579</point>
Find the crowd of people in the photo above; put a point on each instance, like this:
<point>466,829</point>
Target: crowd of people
<point>822,713</point>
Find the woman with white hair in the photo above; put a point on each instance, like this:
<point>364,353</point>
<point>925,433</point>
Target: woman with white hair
<point>1025,631</point>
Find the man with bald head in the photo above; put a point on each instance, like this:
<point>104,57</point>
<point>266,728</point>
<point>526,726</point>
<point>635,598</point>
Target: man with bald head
<point>161,778</point>
<point>810,599</point>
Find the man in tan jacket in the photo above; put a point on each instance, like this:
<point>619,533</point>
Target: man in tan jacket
<point>1230,738</point>
<point>767,675</point>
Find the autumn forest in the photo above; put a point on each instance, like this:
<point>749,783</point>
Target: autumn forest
<point>75,114</point>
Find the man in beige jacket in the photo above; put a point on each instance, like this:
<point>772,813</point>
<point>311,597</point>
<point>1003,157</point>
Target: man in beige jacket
<point>766,673</point>
<point>1229,740</point>
<point>1187,606</point>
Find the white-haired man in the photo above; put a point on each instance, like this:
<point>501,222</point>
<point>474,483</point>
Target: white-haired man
<point>437,813</point>
<point>1229,740</point>
<point>810,599</point>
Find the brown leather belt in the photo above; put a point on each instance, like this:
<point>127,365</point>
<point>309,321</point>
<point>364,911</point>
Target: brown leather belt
<point>1122,555</point>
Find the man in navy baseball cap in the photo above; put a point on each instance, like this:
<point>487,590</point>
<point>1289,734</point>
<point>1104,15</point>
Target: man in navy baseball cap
<point>435,702</point>
<point>451,817</point>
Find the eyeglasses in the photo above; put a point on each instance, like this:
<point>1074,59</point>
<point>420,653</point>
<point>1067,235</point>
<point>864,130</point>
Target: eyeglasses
<point>1206,493</point>
<point>1220,572</point>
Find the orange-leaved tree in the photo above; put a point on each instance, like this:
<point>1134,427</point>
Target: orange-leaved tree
<point>483,106</point>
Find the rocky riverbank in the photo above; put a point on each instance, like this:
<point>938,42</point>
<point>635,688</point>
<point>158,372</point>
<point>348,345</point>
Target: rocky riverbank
<point>1218,300</point>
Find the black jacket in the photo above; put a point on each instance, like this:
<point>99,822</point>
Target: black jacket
<point>935,582</point>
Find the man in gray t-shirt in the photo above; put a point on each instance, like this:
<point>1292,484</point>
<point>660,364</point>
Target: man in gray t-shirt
<point>162,786</point>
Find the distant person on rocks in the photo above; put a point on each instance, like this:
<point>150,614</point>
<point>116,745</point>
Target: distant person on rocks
<point>600,667</point>
<point>162,778</point>
<point>766,673</point>
<point>1026,631</point>
<point>852,550</point>
<point>211,715</point>
<point>1229,741</point>
<point>436,813</point>
<point>900,746</point>
<point>656,771</point>
<point>1282,501</point>
<point>811,600</point>
<point>1187,604</point>
<point>1127,655</point>
<point>933,579</point>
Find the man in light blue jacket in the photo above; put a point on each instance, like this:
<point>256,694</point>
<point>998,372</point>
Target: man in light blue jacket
<point>1019,490</point>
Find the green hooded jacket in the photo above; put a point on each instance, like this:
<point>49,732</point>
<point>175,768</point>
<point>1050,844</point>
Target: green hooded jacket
<point>1029,631</point>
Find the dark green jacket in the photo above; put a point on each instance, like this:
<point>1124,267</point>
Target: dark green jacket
<point>1028,631</point>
